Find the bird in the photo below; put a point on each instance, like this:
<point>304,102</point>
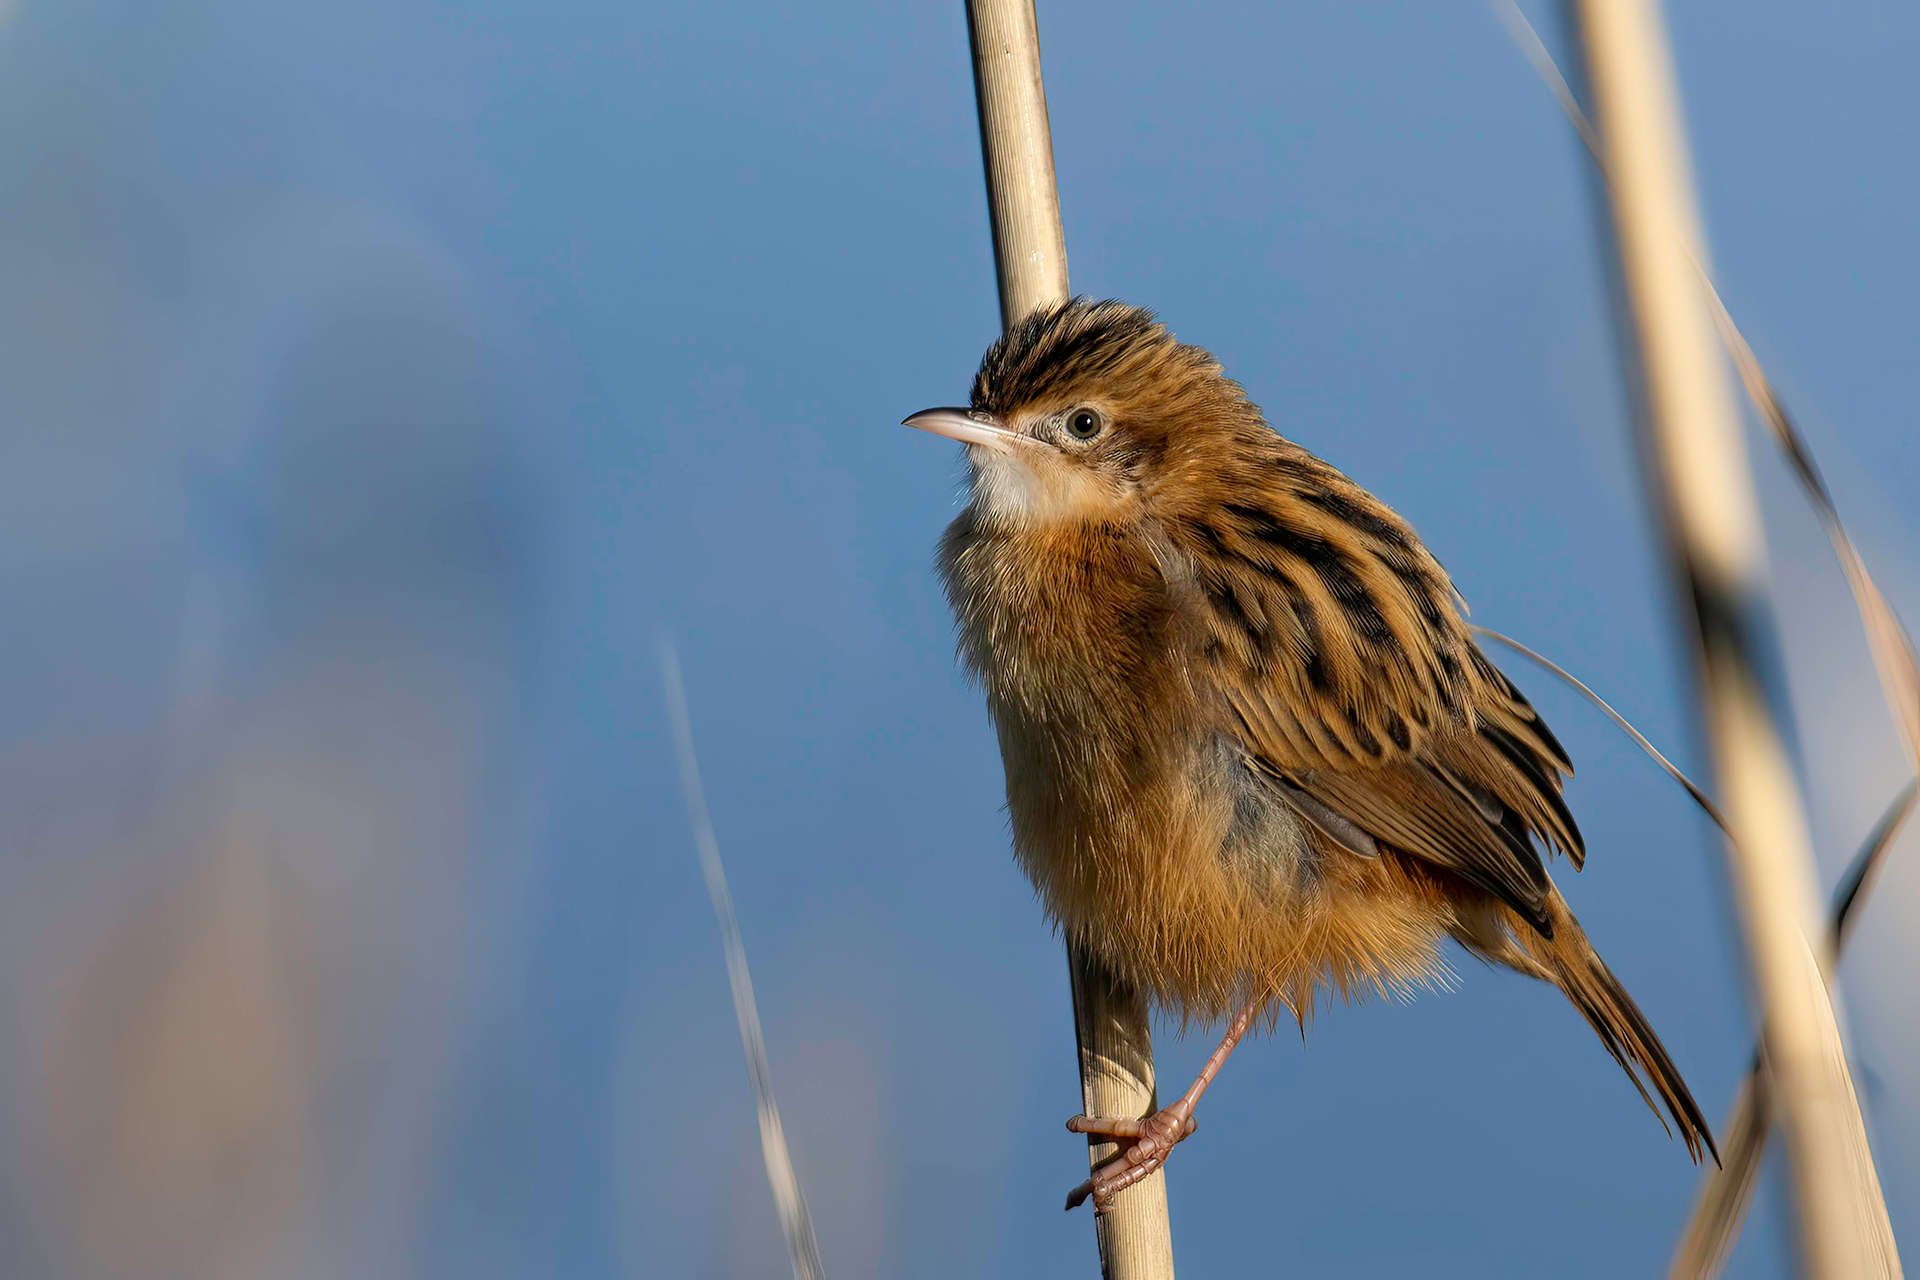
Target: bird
<point>1253,754</point>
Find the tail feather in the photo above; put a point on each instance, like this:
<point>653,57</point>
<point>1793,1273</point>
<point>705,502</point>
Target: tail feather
<point>1571,963</point>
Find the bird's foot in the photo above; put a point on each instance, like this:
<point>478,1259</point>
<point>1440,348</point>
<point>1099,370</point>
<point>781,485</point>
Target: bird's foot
<point>1145,1146</point>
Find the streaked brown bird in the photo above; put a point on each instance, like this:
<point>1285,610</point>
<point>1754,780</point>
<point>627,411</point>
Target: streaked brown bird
<point>1251,748</point>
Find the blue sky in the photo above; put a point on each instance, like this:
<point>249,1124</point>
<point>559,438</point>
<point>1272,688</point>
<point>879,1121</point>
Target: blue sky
<point>381,380</point>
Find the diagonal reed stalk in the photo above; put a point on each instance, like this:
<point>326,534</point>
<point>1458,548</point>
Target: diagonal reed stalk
<point>795,1221</point>
<point>1888,641</point>
<point>1726,1194</point>
<point>1697,474</point>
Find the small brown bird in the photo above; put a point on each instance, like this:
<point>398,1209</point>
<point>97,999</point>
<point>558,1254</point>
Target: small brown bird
<point>1251,748</point>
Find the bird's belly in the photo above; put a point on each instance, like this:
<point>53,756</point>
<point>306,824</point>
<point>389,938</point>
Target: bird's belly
<point>1178,880</point>
<point>1203,888</point>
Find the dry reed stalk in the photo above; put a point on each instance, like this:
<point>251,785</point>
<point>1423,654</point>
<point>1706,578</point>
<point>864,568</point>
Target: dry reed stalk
<point>1029,252</point>
<point>1697,472</point>
<point>1726,1192</point>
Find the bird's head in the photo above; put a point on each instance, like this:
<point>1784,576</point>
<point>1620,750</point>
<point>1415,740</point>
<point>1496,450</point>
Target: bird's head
<point>1086,412</point>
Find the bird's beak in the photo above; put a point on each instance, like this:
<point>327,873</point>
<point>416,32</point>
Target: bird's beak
<point>968,426</point>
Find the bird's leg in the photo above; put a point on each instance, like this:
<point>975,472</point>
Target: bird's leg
<point>1152,1139</point>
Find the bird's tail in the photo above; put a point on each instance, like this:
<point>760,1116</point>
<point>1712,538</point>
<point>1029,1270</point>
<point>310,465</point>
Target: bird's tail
<point>1570,963</point>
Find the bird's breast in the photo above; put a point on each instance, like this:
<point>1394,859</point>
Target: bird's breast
<point>1138,819</point>
<point>1071,631</point>
<point>1076,641</point>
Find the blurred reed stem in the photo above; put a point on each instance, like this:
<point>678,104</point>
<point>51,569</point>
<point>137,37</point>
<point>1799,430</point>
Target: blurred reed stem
<point>1030,257</point>
<point>1726,1192</point>
<point>795,1221</point>
<point>1696,472</point>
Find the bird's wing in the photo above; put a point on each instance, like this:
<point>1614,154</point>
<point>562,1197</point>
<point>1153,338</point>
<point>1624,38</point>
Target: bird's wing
<point>1330,640</point>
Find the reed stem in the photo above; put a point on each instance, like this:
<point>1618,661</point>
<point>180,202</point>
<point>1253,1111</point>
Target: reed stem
<point>1030,256</point>
<point>1697,476</point>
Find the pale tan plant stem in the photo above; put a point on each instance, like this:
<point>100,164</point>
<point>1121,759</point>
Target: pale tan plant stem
<point>1029,252</point>
<point>1697,475</point>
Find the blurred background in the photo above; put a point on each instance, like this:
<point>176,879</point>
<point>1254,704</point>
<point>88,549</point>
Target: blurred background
<point>379,380</point>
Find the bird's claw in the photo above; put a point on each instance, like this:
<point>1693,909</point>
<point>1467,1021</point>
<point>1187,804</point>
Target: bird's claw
<point>1150,1141</point>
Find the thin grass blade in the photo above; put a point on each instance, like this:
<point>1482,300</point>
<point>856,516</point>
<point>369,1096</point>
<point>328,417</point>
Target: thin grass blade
<point>1673,770</point>
<point>795,1221</point>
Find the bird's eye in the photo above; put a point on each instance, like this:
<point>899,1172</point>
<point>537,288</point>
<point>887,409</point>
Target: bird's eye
<point>1084,424</point>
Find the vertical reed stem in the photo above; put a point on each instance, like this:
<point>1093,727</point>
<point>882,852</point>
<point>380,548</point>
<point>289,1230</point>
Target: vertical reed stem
<point>1697,476</point>
<point>1030,256</point>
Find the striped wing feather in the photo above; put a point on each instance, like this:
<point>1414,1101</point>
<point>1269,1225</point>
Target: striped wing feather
<point>1339,658</point>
